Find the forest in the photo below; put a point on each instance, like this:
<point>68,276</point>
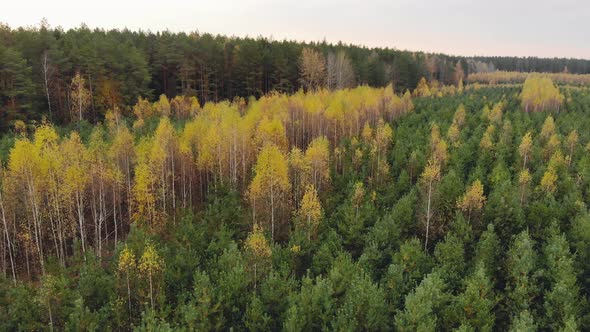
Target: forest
<point>38,65</point>
<point>292,190</point>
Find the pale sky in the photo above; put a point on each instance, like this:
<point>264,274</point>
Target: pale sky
<point>545,28</point>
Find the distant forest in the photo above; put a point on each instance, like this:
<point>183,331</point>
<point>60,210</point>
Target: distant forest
<point>38,64</point>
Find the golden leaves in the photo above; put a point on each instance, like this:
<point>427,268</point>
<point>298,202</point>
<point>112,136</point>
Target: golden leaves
<point>79,96</point>
<point>495,115</point>
<point>310,212</point>
<point>317,157</point>
<point>271,131</point>
<point>358,195</point>
<point>473,199</point>
<point>524,149</point>
<point>150,262</point>
<point>549,180</point>
<point>312,67</point>
<point>539,94</point>
<point>431,172</point>
<point>422,90</point>
<point>453,133</point>
<point>257,244</point>
<point>548,129</point>
<point>127,261</point>
<point>271,172</point>
<point>487,142</point>
<point>524,177</point>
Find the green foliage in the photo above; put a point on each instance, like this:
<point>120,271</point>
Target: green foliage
<point>478,300</point>
<point>561,299</point>
<point>520,266</point>
<point>503,254</point>
<point>364,307</point>
<point>312,308</point>
<point>423,307</point>
<point>450,260</point>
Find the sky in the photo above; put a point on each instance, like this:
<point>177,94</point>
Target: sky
<point>544,28</point>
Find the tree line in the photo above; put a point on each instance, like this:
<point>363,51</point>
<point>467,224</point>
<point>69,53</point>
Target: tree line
<point>41,68</point>
<point>512,77</point>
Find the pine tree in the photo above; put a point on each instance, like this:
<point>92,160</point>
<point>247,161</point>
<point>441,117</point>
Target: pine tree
<point>478,300</point>
<point>562,298</point>
<point>422,309</point>
<point>520,267</point>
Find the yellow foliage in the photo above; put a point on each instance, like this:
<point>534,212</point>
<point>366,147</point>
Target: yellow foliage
<point>548,129</point>
<point>312,67</point>
<point>473,199</point>
<point>143,109</point>
<point>310,212</point>
<point>552,146</point>
<point>151,265</point>
<point>557,160</point>
<point>440,153</point>
<point>113,117</point>
<point>422,90</point>
<point>143,196</point>
<point>549,180</point>
<point>357,158</point>
<point>317,157</point>
<point>524,177</point>
<point>367,134</point>
<point>459,117</point>
<point>383,136</point>
<point>486,142</point>
<point>271,131</point>
<point>485,113</point>
<point>431,171</point>
<point>80,97</point>
<point>298,172</point>
<point>270,184</point>
<point>76,174</point>
<point>271,171</point>
<point>259,251</point>
<point>358,195</point>
<point>46,136</point>
<point>162,106</point>
<point>495,115</point>
<point>127,262</point>
<point>540,94</point>
<point>138,124</point>
<point>183,107</point>
<point>514,77</point>
<point>572,139</point>
<point>20,127</point>
<point>453,133</point>
<point>257,244</point>
<point>572,142</point>
<point>524,149</point>
<point>150,262</point>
